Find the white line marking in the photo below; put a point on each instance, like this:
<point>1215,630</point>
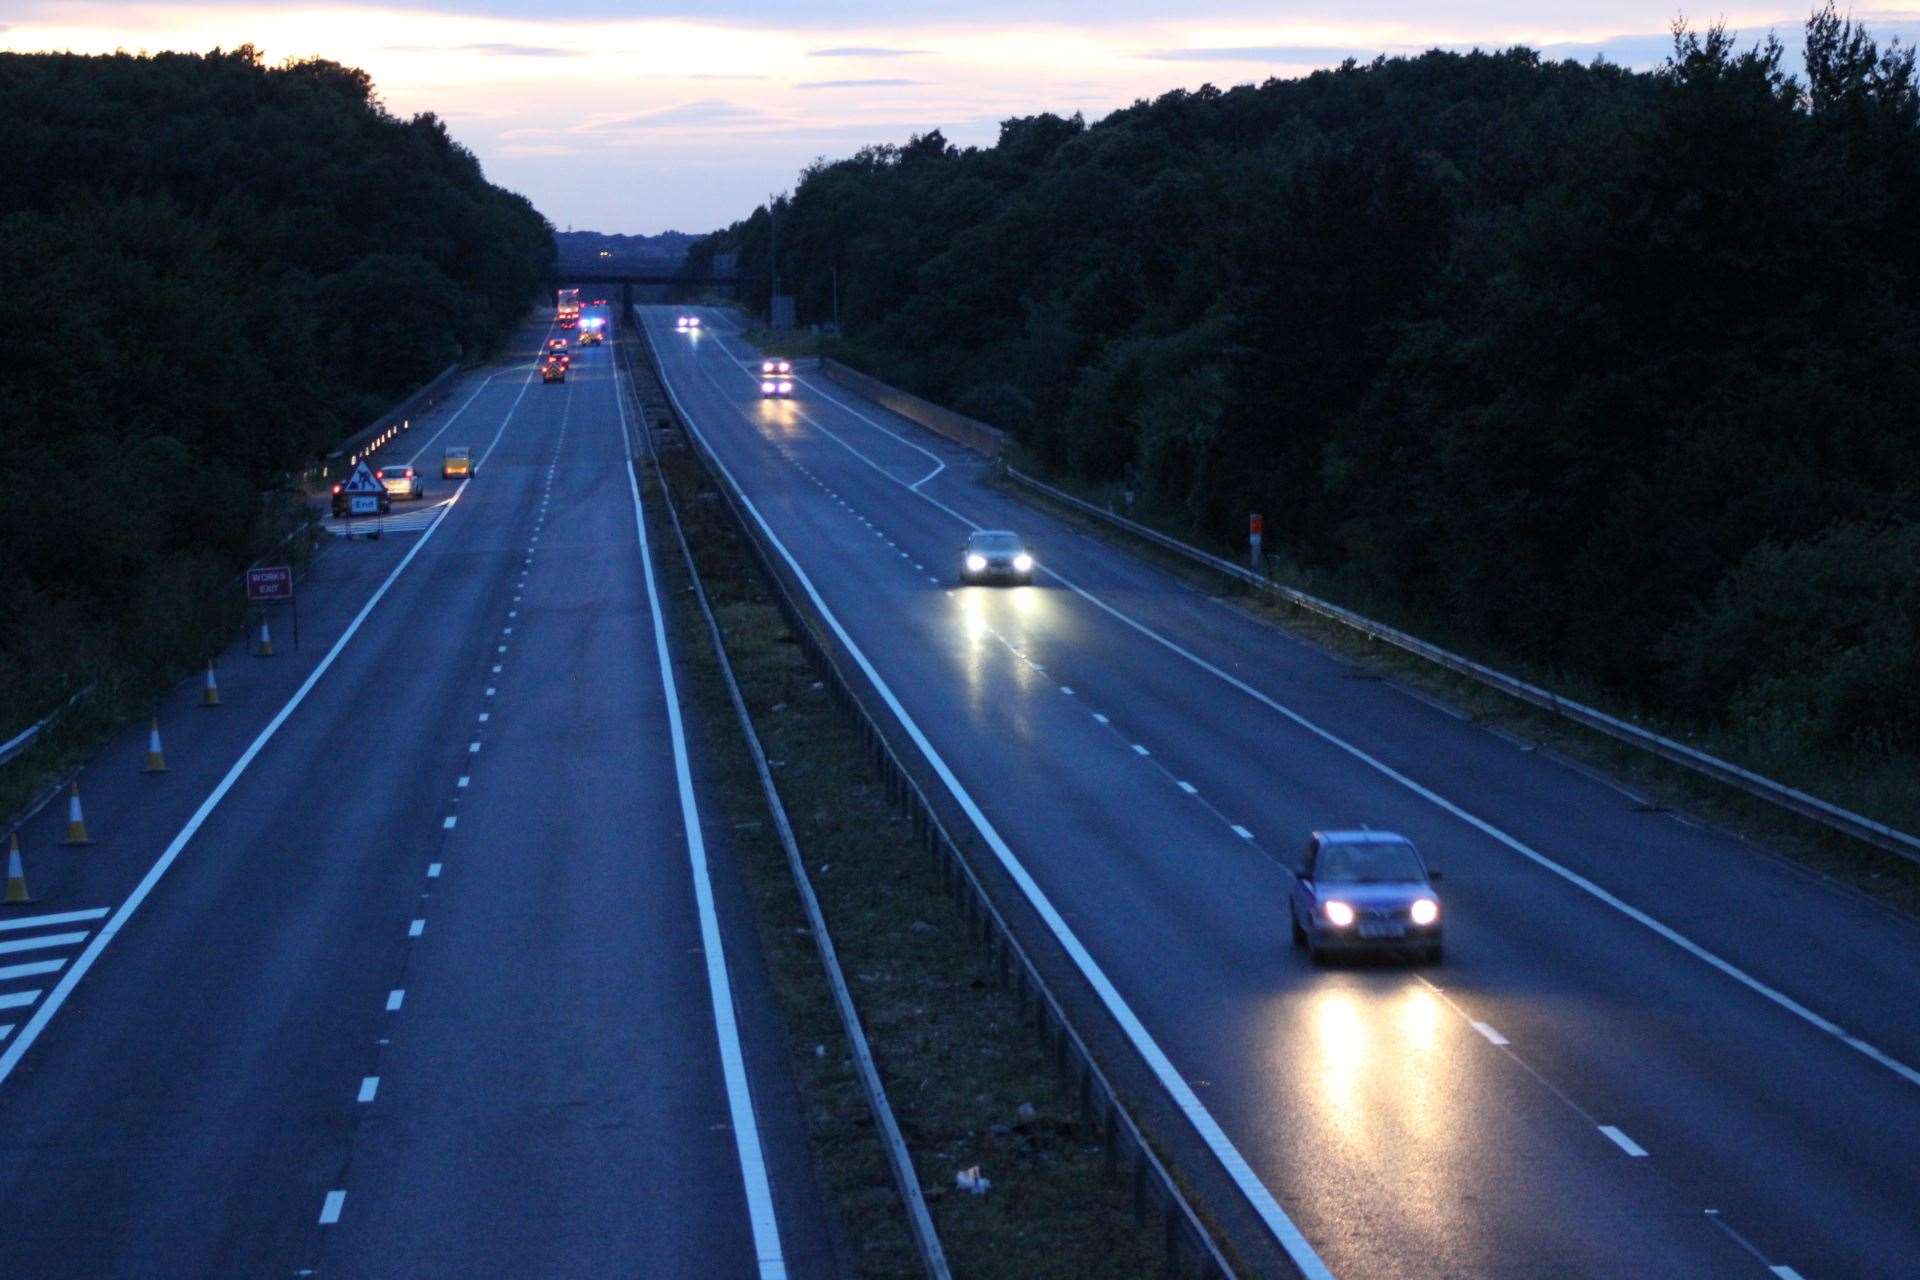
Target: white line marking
<point>6,1029</point>
<point>1066,691</point>
<point>1102,719</point>
<point>1492,1036</point>
<point>433,871</point>
<point>746,1130</point>
<point>490,691</point>
<point>19,1000</point>
<point>330,1211</point>
<point>1622,1141</point>
<point>1241,831</point>
<point>464,780</point>
<point>448,823</point>
<point>1140,750</point>
<point>1187,787</point>
<point>32,969</point>
<point>58,917</point>
<point>484,715</point>
<point>369,1085</point>
<point>472,747</point>
<point>417,928</point>
<point>1786,1273</point>
<point>41,1016</point>
<point>1276,1219</point>
<point>395,997</point>
<point>48,940</point>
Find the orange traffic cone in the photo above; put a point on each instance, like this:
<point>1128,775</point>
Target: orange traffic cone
<point>17,895</point>
<point>264,649</point>
<point>211,697</point>
<point>156,759</point>
<point>76,822</point>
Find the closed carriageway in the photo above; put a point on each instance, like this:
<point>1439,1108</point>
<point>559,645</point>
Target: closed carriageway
<point>1650,1051</point>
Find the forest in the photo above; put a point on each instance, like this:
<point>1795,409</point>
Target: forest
<point>211,271</point>
<point>1610,375</point>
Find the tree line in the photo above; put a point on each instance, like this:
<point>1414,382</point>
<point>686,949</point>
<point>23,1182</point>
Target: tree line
<point>1613,374</point>
<point>211,271</point>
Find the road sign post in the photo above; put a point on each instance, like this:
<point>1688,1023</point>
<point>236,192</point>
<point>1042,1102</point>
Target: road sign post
<point>364,494</point>
<point>273,584</point>
<point>1255,528</point>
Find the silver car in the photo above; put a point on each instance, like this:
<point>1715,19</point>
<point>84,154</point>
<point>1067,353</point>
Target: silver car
<point>995,555</point>
<point>1365,891</point>
<point>401,481</point>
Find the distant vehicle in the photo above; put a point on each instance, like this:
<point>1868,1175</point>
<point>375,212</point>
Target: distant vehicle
<point>457,464</point>
<point>599,302</point>
<point>556,344</point>
<point>553,371</point>
<point>995,555</point>
<point>400,482</point>
<point>593,331</point>
<point>776,377</point>
<point>567,307</point>
<point>1358,891</point>
<point>686,323</point>
<point>340,502</point>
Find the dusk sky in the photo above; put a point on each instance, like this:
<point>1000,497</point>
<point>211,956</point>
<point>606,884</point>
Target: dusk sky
<point>652,114</point>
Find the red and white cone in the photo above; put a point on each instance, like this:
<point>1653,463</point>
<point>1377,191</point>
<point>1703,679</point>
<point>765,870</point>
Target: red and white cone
<point>211,697</point>
<point>264,649</point>
<point>17,894</point>
<point>76,821</point>
<point>156,759</point>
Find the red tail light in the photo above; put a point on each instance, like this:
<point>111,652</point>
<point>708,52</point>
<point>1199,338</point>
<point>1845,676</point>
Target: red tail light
<point>409,473</point>
<point>381,474</point>
<point>336,488</point>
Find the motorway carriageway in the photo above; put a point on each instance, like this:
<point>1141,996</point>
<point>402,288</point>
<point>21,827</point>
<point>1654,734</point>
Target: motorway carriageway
<point>409,964</point>
<point>1652,1050</point>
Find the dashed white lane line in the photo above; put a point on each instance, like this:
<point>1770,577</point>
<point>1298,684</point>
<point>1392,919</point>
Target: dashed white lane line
<point>395,997</point>
<point>1241,831</point>
<point>369,1085</point>
<point>1102,719</point>
<point>58,917</point>
<point>496,668</point>
<point>1622,1141</point>
<point>1493,1037</point>
<point>484,715</point>
<point>502,649</point>
<point>330,1211</point>
<point>417,928</point>
<point>449,823</point>
<point>33,969</point>
<point>1187,787</point>
<point>472,747</point>
<point>490,691</point>
<point>1140,750</point>
<point>49,940</point>
<point>433,871</point>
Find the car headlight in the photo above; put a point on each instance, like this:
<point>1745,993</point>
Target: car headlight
<point>766,388</point>
<point>766,366</point>
<point>786,388</point>
<point>1339,914</point>
<point>1425,911</point>
<point>1023,562</point>
<point>976,563</point>
<point>786,366</point>
<point>693,322</point>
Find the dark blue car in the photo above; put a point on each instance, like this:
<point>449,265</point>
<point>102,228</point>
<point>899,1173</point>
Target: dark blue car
<point>1358,891</point>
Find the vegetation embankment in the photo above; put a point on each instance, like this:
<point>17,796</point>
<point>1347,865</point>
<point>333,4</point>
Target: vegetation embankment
<point>213,271</point>
<point>967,1080</point>
<point>1604,375</point>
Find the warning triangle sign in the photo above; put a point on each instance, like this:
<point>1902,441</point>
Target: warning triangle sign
<point>362,481</point>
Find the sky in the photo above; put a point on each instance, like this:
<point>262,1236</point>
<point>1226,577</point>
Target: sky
<point>649,115</point>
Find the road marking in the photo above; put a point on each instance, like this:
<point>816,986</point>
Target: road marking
<point>1622,1141</point>
<point>330,1211</point>
<point>1102,719</point>
<point>490,691</point>
<point>58,917</point>
<point>1067,691</point>
<point>1187,787</point>
<point>394,997</point>
<point>496,668</point>
<point>472,747</point>
<point>433,871</point>
<point>32,969</point>
<point>464,780</point>
<point>1140,750</point>
<point>483,717</point>
<point>1182,1094</point>
<point>19,1000</point>
<point>448,823</point>
<point>1241,831</point>
<point>369,1085</point>
<point>1492,1036</point>
<point>417,928</point>
<point>6,1029</point>
<point>746,1130</point>
<point>1786,1273</point>
<point>50,940</point>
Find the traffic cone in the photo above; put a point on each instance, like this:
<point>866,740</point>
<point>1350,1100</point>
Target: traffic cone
<point>265,648</point>
<point>156,759</point>
<point>211,698</point>
<point>17,895</point>
<point>76,822</point>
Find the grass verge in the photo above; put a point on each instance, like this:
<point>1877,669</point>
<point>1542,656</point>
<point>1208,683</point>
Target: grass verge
<point>968,1083</point>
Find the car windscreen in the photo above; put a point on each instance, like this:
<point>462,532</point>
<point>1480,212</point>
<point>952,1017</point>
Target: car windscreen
<point>995,542</point>
<point>1368,863</point>
<point>455,455</point>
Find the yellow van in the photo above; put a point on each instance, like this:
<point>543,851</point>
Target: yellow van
<point>458,463</point>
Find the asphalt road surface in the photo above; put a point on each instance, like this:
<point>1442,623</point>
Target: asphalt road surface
<point>408,965</point>
<point>1652,1050</point>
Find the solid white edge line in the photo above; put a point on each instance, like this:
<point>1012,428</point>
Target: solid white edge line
<point>1493,1037</point>
<point>1622,1141</point>
<point>1283,1228</point>
<point>111,929</point>
<point>1786,1273</point>
<point>746,1130</point>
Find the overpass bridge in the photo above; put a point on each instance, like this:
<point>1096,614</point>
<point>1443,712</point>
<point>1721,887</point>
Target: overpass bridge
<point>628,280</point>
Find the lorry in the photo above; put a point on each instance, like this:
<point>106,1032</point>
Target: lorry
<point>567,308</point>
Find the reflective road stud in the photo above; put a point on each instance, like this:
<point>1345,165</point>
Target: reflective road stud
<point>156,759</point>
<point>211,698</point>
<point>17,895</point>
<point>76,822</point>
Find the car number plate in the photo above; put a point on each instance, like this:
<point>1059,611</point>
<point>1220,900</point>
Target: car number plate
<point>1382,929</point>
